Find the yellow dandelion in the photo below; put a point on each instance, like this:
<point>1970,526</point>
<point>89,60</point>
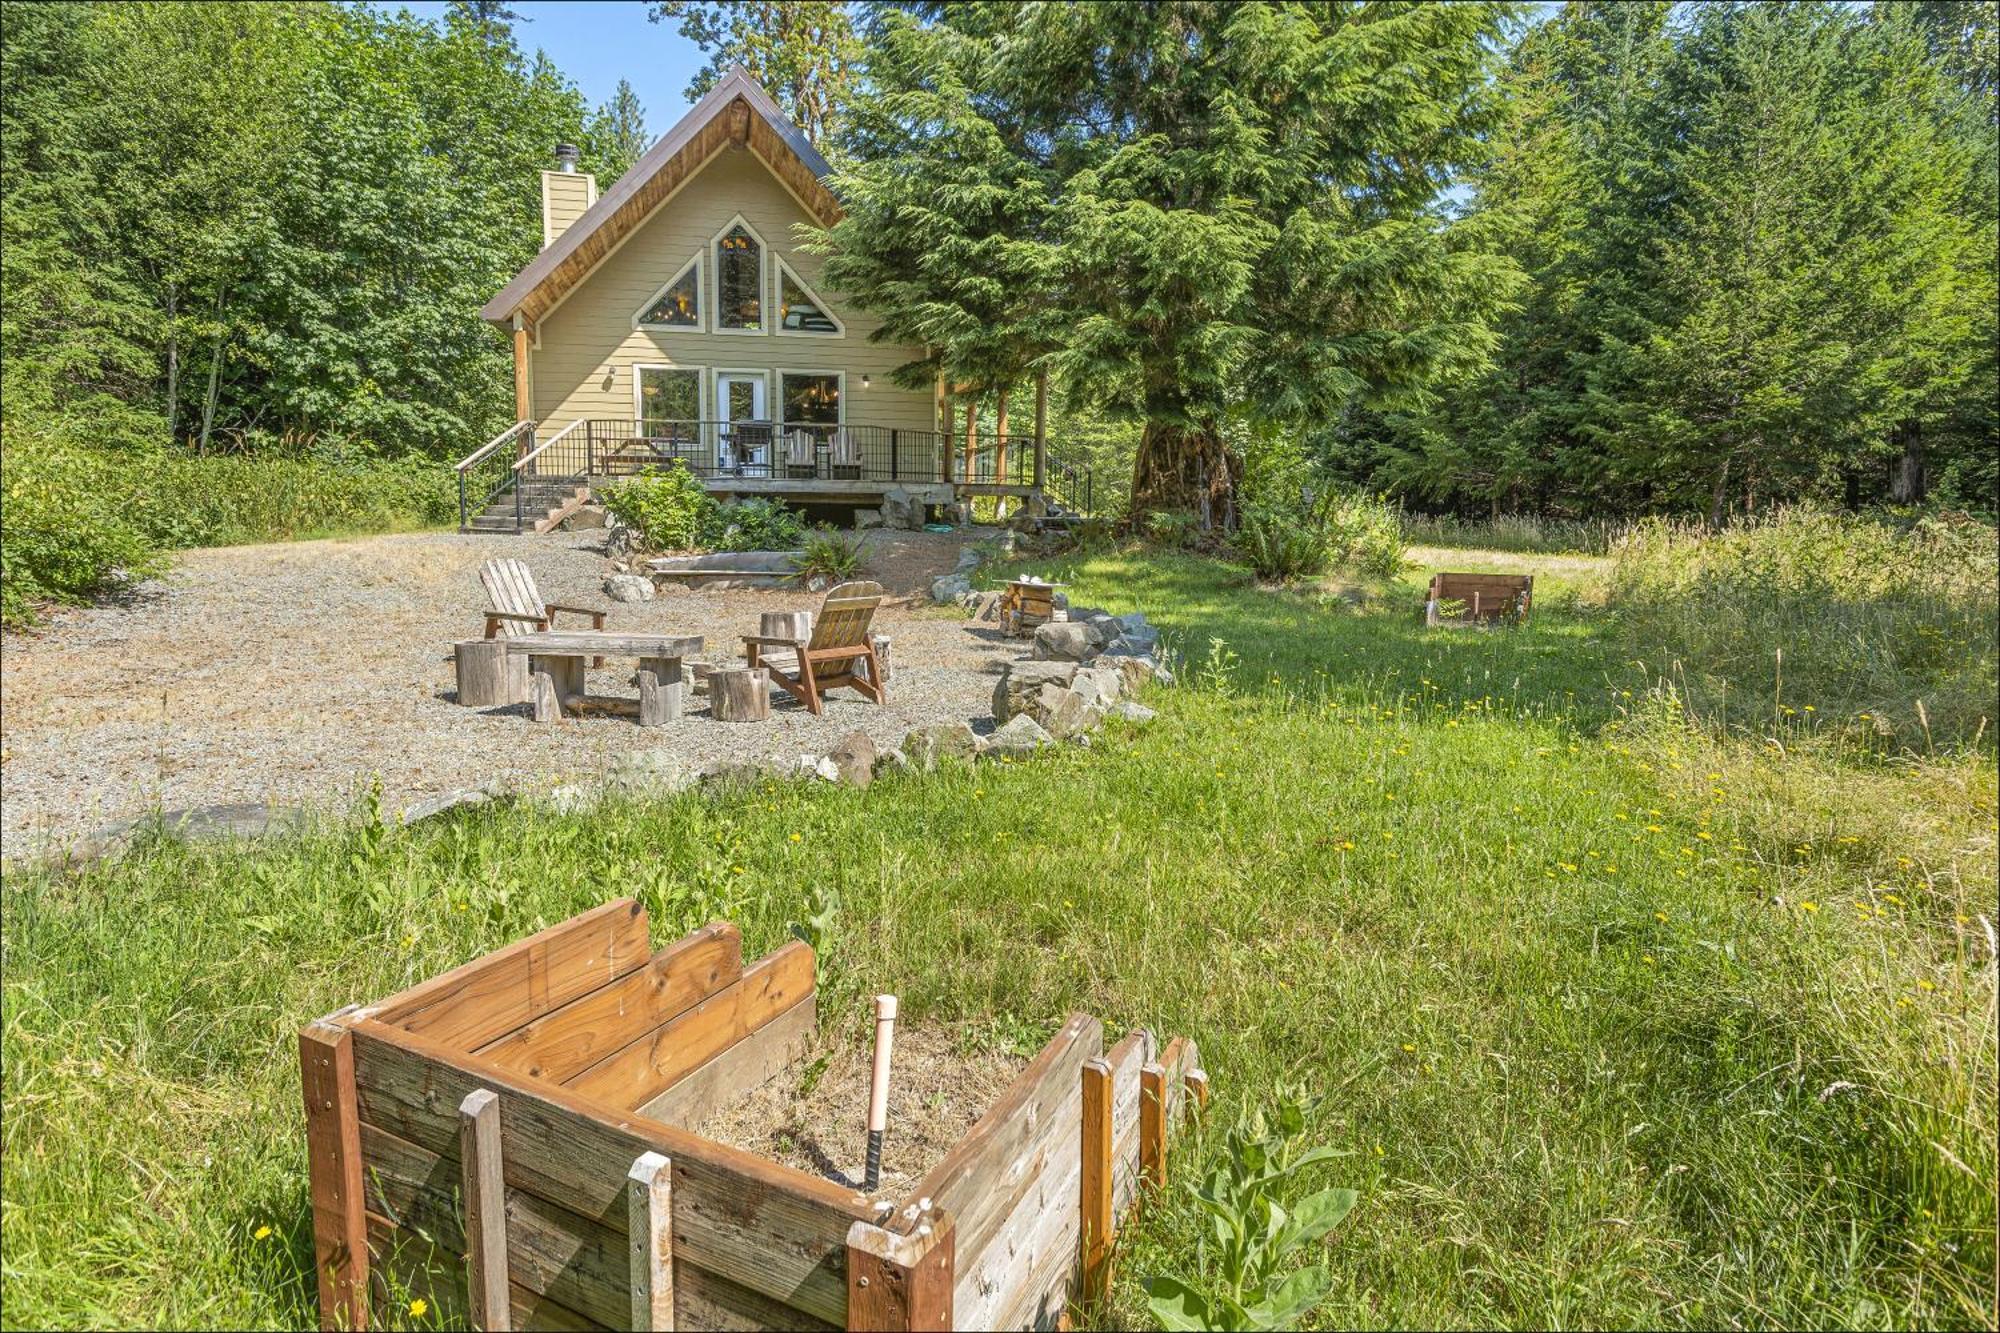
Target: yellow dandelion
<point>1809,906</point>
<point>1705,836</point>
<point>796,838</point>
<point>1925,983</point>
<point>1660,917</point>
<point>1408,1047</point>
<point>263,1233</point>
<point>1647,959</point>
<point>419,1308</point>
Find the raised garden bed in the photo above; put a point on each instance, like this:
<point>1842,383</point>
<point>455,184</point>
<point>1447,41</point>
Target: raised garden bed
<point>510,1142</point>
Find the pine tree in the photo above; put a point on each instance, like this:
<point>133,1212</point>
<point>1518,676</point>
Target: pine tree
<point>616,136</point>
<point>1205,212</point>
<point>803,52</point>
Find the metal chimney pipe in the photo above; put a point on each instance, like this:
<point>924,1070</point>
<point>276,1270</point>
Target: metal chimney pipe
<point>567,156</point>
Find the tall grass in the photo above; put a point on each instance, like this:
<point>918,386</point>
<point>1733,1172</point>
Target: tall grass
<point>1609,1033</point>
<point>1519,533</point>
<point>1815,625</point>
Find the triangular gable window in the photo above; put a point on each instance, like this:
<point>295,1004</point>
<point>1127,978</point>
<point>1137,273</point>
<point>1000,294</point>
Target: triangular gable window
<point>799,308</point>
<point>676,305</point>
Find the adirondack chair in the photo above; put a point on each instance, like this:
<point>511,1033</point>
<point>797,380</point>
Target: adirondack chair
<point>518,607</point>
<point>839,644</point>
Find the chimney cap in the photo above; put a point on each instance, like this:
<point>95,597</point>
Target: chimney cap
<point>567,156</point>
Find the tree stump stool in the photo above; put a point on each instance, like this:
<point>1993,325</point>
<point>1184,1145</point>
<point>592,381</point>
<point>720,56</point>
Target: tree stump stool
<point>488,675</point>
<point>660,691</point>
<point>740,694</point>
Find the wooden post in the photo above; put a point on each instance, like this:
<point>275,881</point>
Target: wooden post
<point>333,1166</point>
<point>649,1222</point>
<point>488,675</point>
<point>740,694</point>
<point>1000,437</point>
<point>487,1301</point>
<point>555,683</point>
<point>660,691</point>
<point>1042,429</point>
<point>971,433</point>
<point>1153,1125</point>
<point>897,1282</point>
<point>1095,1200</point>
<point>942,410</point>
<point>1196,1084</point>
<point>523,397</point>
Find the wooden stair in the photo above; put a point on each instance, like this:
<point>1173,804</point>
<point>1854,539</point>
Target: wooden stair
<point>543,506</point>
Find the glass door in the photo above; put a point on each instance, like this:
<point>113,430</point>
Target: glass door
<point>746,425</point>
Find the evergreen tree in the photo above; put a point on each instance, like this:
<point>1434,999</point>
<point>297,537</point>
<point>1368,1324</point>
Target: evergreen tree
<point>1207,212</point>
<point>616,136</point>
<point>803,52</point>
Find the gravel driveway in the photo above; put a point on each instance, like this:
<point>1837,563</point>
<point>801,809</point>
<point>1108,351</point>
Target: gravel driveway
<point>295,673</point>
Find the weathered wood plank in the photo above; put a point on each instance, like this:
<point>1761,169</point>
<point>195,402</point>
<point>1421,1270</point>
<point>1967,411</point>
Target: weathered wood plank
<point>749,1064</point>
<point>1022,1277</point>
<point>642,1070</point>
<point>1126,1059</point>
<point>705,1300</point>
<point>568,1040</point>
<point>1153,1126</point>
<point>470,1005</point>
<point>992,1180</point>
<point>765,1226</point>
<point>649,1233</point>
<point>485,1211</point>
<point>411,1267</point>
<point>1094,1195</point>
<point>333,1166</point>
<point>898,1280</point>
<point>611,643</point>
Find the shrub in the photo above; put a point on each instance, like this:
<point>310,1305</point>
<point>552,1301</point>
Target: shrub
<point>1172,527</point>
<point>829,556</point>
<point>1363,534</point>
<point>66,531</point>
<point>670,509</point>
<point>1515,532</point>
<point>756,525</point>
<point>1807,622</point>
<point>1282,546</point>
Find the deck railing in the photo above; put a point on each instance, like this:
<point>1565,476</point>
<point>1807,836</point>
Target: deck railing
<point>797,451</point>
<point>488,470</point>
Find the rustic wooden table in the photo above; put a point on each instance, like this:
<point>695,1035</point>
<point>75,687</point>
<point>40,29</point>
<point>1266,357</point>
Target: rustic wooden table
<point>555,672</point>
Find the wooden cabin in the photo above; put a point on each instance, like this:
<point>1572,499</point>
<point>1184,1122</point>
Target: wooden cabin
<point>676,319</point>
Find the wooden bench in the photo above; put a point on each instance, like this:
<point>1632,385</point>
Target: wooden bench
<point>555,672</point>
<point>1486,596</point>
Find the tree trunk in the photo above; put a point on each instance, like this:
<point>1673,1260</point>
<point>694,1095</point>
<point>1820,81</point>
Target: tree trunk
<point>173,361</point>
<point>1907,483</point>
<point>214,380</point>
<point>1185,470</point>
<point>1719,502</point>
<point>1000,450</point>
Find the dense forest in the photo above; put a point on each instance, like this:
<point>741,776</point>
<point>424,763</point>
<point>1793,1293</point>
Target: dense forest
<point>1607,259</point>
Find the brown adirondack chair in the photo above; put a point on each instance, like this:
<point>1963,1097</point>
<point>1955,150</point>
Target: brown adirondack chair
<point>840,642</point>
<point>518,607</point>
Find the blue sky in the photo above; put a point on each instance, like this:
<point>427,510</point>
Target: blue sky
<point>598,42</point>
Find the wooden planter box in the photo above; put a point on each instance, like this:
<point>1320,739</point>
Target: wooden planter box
<point>506,1142</point>
<point>1486,596</point>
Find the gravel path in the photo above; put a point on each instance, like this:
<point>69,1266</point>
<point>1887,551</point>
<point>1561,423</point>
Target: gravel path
<point>296,673</point>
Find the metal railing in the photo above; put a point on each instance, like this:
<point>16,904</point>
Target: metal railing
<point>768,450</point>
<point>1073,486</point>
<point>487,471</point>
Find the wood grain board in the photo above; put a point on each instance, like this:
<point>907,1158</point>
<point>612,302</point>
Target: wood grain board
<point>471,1005</point>
<point>568,1040</point>
<point>767,1227</point>
<point>334,1173</point>
<point>749,1064</point>
<point>631,1077</point>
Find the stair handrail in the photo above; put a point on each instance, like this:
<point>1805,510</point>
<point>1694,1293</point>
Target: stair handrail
<point>542,448</point>
<point>492,444</point>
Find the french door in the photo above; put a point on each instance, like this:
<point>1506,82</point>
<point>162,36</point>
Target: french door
<point>740,397</point>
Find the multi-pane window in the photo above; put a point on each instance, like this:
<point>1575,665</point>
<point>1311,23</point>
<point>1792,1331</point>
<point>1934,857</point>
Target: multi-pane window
<point>798,310</point>
<point>739,280</point>
<point>679,303</point>
<point>811,400</point>
<point>668,393</point>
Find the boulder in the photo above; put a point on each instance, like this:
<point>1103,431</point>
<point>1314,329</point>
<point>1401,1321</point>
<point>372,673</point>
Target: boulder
<point>902,510</point>
<point>1107,683</point>
<point>1140,671</point>
<point>732,773</point>
<point>950,588</point>
<point>867,518</point>
<point>619,539</point>
<point>432,806</point>
<point>1015,692</point>
<point>1064,641</point>
<point>1133,621</point>
<point>590,516</point>
<point>969,559</point>
<point>1073,712</point>
<point>1125,710</point>
<point>629,588</point>
<point>853,759</point>
<point>1021,736</point>
<point>925,746</point>
<point>985,605</point>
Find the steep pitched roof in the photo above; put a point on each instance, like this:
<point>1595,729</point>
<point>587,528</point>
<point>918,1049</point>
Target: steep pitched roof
<point>735,111</point>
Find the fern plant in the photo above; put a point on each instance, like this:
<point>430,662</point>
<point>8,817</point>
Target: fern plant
<point>1250,1275</point>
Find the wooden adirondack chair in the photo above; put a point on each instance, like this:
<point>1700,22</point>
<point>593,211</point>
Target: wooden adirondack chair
<point>840,642</point>
<point>518,607</point>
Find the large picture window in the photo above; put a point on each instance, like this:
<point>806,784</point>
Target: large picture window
<point>799,308</point>
<point>668,394</point>
<point>810,399</point>
<point>739,280</point>
<point>678,304</point>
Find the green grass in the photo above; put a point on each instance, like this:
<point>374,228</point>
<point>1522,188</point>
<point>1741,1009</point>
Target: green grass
<point>1592,1067</point>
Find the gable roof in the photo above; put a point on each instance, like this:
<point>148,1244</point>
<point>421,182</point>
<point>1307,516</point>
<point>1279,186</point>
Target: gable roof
<point>735,111</point>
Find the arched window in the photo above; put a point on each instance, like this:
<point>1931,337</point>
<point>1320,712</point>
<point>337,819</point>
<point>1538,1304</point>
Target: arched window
<point>739,280</point>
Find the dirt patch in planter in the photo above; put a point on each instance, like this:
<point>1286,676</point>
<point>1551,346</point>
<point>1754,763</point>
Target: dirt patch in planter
<point>814,1117</point>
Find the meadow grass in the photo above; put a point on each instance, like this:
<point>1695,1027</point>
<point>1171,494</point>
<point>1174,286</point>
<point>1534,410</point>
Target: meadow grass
<point>1619,1020</point>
